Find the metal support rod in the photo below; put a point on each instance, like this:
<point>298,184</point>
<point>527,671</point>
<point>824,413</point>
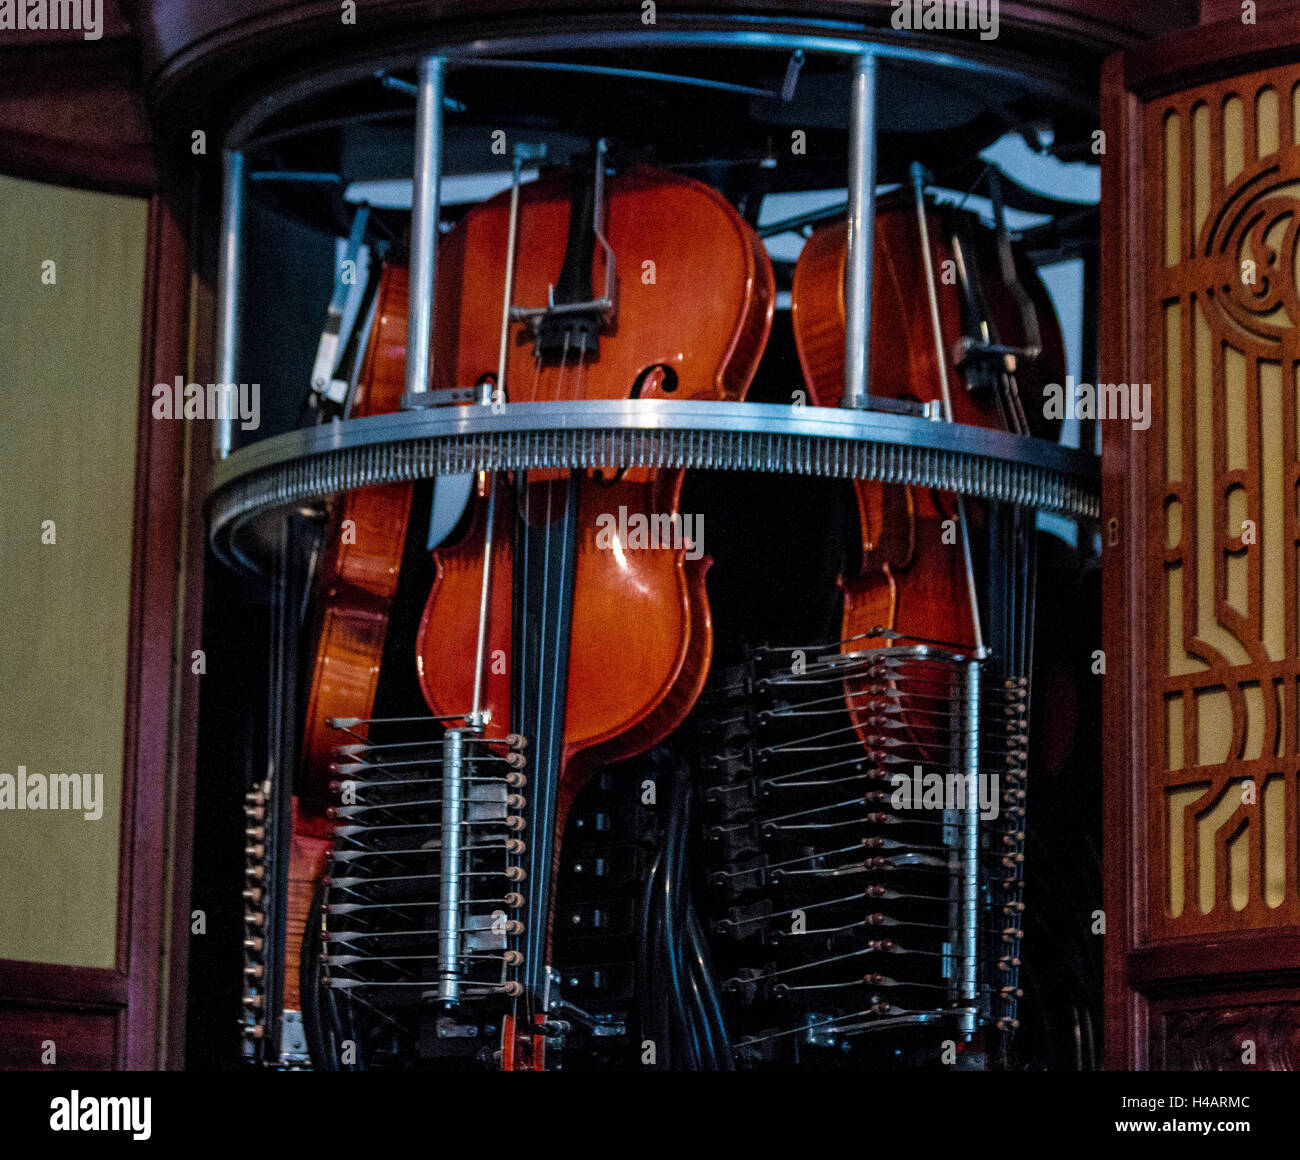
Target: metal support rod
<point>945,394</point>
<point>424,229</point>
<point>968,722</point>
<point>476,717</point>
<point>228,270</point>
<point>860,244</point>
<point>512,241</point>
<point>449,900</point>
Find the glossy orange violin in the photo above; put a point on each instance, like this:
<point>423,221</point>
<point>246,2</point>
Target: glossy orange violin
<point>537,624</point>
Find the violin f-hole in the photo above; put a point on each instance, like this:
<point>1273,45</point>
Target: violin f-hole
<point>657,378</point>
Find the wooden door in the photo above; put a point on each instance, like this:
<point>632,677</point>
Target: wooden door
<point>1201,220</point>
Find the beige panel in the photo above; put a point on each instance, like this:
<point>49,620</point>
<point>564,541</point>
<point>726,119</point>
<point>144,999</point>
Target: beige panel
<point>1267,129</point>
<point>1234,146</point>
<point>1174,733</point>
<point>1274,815</point>
<point>1200,164</point>
<point>1214,720</point>
<point>1179,800</point>
<point>69,365</point>
<point>1272,456</point>
<point>1211,871</point>
<point>1234,412</point>
<point>1238,850</point>
<point>1207,431</point>
<point>1173,189</point>
<point>1174,392</point>
<point>1252,746</point>
<point>1181,661</point>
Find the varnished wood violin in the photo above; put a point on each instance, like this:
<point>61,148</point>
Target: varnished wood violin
<point>592,653</point>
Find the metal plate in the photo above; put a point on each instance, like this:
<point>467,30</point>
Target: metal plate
<point>718,436</point>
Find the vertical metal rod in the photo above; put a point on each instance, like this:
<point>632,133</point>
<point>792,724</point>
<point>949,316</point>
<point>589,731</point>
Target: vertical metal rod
<point>425,206</point>
<point>968,718</point>
<point>512,242</point>
<point>228,271</point>
<point>931,290</point>
<point>476,720</point>
<point>945,394</point>
<point>449,900</point>
<point>858,268</point>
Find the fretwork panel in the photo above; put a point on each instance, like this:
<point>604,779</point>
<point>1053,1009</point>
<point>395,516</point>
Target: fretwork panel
<point>1224,361</point>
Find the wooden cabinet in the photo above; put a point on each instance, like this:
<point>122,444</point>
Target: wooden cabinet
<point>1201,200</point>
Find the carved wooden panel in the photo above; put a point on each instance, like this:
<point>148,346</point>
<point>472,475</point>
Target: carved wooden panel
<point>1222,221</point>
<point>1233,1035</point>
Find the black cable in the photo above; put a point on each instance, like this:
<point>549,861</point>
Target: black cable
<point>709,983</point>
<point>701,960</point>
<point>690,1048</point>
<point>665,1032</point>
<point>645,973</point>
<point>309,989</point>
<point>695,1014</point>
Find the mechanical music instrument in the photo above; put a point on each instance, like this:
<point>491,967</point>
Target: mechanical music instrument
<point>548,646</point>
<point>867,818</point>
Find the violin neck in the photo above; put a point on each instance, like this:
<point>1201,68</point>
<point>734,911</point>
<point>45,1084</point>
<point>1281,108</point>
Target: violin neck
<point>545,542</point>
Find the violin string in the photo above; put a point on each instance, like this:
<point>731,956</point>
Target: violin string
<point>537,380</point>
<point>564,366</point>
<point>582,366</point>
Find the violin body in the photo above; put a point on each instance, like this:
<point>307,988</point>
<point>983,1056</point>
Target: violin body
<point>695,294</point>
<point>904,360</point>
<point>641,632</point>
<point>616,669</point>
<point>902,527</point>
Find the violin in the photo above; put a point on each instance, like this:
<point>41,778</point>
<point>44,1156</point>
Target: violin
<point>540,625</point>
<point>357,584</point>
<point>958,320</point>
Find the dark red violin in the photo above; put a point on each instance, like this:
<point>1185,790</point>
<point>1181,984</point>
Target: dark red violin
<point>916,574</point>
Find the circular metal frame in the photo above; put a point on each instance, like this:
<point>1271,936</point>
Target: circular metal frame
<point>311,464</point>
<point>422,444</point>
<point>823,37</point>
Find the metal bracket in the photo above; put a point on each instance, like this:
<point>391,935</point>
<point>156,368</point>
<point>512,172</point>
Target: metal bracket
<point>932,411</point>
<point>534,316</point>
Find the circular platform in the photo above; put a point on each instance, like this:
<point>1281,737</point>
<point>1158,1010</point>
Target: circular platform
<point>717,436</point>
